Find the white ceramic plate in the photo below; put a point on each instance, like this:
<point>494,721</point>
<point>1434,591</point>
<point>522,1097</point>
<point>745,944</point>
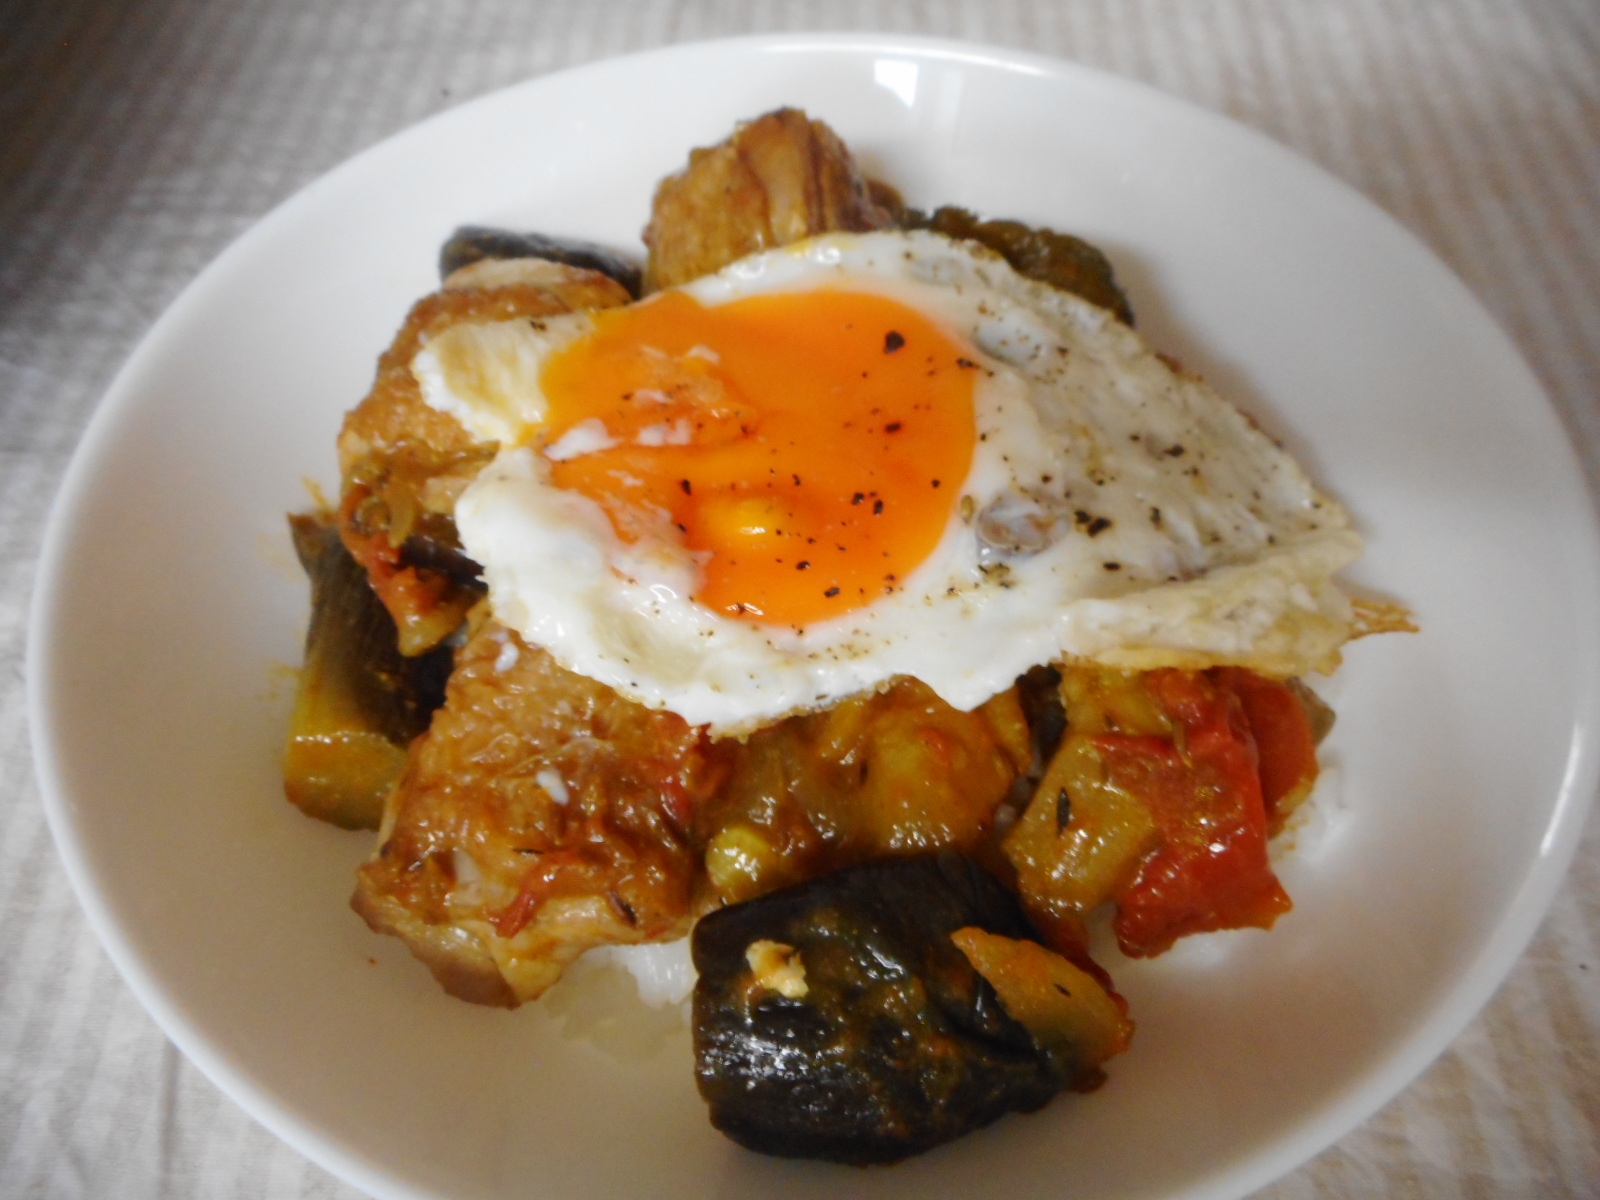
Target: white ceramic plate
<point>168,608</point>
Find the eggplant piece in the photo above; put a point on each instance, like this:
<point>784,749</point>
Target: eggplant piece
<point>1059,259</point>
<point>434,545</point>
<point>474,243</point>
<point>359,701</point>
<point>1039,689</point>
<point>838,1020</point>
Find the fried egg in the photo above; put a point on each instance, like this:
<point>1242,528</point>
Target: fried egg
<point>866,456</point>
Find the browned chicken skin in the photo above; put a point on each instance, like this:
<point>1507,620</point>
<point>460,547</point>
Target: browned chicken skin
<point>402,464</point>
<point>540,815</point>
<point>779,178</point>
<point>393,442</point>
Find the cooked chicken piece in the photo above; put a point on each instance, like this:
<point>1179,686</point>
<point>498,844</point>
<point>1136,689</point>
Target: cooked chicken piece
<point>779,178</point>
<point>539,816</point>
<point>403,464</point>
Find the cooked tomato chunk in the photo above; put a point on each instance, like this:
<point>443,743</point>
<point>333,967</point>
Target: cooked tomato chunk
<point>1287,720</point>
<point>1156,801</point>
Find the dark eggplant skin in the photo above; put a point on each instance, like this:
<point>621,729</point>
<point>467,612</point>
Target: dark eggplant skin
<point>1039,689</point>
<point>350,627</point>
<point>474,243</point>
<point>433,545</point>
<point>897,1046</point>
<point>359,701</point>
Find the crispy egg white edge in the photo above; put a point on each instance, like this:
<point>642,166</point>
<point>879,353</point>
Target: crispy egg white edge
<point>1208,542</point>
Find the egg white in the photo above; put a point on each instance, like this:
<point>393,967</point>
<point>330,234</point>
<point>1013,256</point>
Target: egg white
<point>1116,510</point>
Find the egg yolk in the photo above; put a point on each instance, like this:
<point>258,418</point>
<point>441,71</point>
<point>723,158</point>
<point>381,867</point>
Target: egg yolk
<point>808,447</point>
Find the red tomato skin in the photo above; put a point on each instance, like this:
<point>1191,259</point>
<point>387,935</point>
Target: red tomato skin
<point>1204,788</point>
<point>1285,743</point>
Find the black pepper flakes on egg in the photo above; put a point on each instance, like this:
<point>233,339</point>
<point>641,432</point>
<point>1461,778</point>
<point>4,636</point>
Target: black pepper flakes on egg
<point>1093,526</point>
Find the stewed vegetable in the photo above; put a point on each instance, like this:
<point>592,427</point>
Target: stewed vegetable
<point>840,1019</point>
<point>359,702</point>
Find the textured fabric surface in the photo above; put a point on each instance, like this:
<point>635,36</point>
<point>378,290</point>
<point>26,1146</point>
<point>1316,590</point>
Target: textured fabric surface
<point>138,137</point>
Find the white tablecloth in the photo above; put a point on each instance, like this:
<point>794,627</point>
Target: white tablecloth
<point>138,137</point>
